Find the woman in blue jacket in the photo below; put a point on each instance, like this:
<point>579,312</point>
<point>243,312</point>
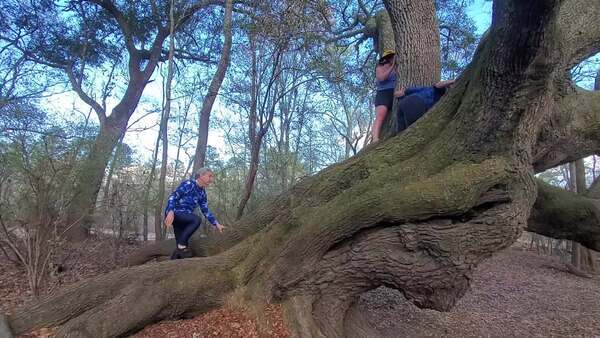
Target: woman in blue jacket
<point>179,212</point>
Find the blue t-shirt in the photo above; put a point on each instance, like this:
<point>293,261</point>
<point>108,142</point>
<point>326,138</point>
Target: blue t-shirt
<point>187,197</point>
<point>389,83</point>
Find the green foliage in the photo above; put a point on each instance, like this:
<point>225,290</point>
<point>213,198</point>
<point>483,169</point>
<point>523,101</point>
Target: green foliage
<point>39,156</point>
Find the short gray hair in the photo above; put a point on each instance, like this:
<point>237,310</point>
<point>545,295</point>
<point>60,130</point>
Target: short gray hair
<point>201,172</point>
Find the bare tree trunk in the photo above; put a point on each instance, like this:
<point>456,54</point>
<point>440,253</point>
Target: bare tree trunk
<point>111,170</point>
<point>301,122</point>
<point>147,188</point>
<point>586,260</point>
<point>180,144</point>
<point>249,184</point>
<point>213,89</point>
<point>575,247</point>
<point>164,129</point>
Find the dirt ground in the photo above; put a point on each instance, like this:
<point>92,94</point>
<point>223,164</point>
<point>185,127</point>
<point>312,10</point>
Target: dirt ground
<point>516,293</point>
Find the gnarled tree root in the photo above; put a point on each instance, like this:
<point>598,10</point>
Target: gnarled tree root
<point>128,299</point>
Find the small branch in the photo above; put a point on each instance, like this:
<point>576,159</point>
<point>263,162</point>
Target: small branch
<point>106,89</point>
<point>138,120</point>
<point>86,98</point>
<point>346,35</point>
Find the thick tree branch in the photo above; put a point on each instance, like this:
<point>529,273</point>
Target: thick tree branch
<point>578,32</point>
<point>122,300</point>
<point>364,31</point>
<point>561,214</point>
<point>572,132</point>
<point>185,55</point>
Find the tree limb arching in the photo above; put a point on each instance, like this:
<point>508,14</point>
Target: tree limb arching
<point>572,132</point>
<point>561,214</point>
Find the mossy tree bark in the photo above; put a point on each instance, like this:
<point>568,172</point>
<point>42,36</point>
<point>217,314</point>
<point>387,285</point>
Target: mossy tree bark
<point>416,212</point>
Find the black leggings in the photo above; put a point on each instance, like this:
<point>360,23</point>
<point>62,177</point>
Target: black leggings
<point>184,225</point>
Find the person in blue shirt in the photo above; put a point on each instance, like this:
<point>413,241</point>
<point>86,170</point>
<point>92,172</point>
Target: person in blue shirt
<point>385,76</point>
<point>414,102</point>
<point>179,212</point>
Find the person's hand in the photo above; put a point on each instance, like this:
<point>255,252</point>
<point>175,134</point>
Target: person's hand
<point>169,219</point>
<point>444,84</point>
<point>399,92</point>
<point>220,227</point>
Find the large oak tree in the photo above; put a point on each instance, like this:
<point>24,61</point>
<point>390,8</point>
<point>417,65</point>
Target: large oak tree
<point>416,212</point>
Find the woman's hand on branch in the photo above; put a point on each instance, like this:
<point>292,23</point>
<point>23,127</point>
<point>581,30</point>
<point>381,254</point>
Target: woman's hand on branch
<point>169,219</point>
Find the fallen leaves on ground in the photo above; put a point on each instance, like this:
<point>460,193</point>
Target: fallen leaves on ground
<point>225,322</point>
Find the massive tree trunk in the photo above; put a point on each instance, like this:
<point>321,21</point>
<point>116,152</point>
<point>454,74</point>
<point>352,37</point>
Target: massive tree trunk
<point>164,130</point>
<point>416,212</point>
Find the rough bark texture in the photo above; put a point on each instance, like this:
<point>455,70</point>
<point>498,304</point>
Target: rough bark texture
<point>572,131</point>
<point>416,40</point>
<point>416,212</point>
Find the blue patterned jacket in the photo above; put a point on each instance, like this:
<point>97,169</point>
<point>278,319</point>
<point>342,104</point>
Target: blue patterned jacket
<point>187,197</point>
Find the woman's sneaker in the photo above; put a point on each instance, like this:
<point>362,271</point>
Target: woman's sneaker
<point>186,253</point>
<point>176,254</point>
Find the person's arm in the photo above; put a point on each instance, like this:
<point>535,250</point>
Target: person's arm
<point>400,92</point>
<point>444,84</point>
<point>412,90</point>
<point>209,216</point>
